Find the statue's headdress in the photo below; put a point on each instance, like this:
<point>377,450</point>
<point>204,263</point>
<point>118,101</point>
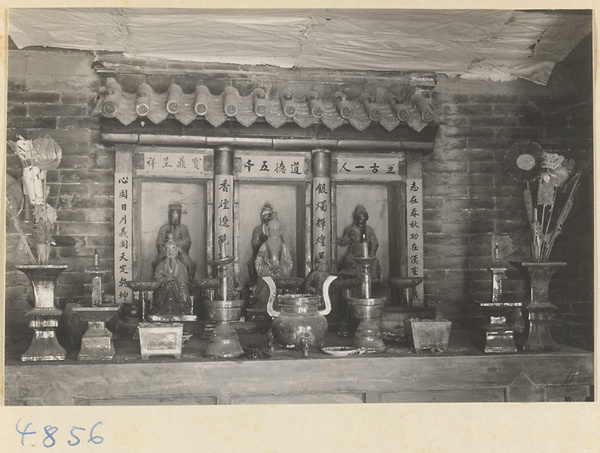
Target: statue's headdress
<point>171,240</point>
<point>267,209</point>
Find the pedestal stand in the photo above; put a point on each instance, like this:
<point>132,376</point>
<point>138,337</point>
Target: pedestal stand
<point>96,343</point>
<point>539,338</point>
<point>224,342</point>
<point>43,319</point>
<point>369,310</point>
<point>499,334</point>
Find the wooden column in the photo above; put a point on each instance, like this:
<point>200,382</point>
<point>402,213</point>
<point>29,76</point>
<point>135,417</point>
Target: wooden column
<point>123,223</point>
<point>223,206</point>
<point>321,204</point>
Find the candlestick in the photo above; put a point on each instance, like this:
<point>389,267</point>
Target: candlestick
<point>365,249</point>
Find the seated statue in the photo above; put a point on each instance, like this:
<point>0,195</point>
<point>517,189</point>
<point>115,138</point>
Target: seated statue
<point>354,237</point>
<point>181,236</point>
<point>259,236</point>
<point>273,260</point>
<point>172,297</point>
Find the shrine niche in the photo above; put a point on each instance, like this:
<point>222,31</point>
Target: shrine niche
<point>236,157</point>
<point>224,200</point>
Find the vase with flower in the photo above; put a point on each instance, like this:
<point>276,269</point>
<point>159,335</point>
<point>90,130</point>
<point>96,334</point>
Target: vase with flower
<point>37,157</point>
<point>550,183</point>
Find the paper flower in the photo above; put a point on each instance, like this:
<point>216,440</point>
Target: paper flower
<point>523,161</point>
<point>551,180</point>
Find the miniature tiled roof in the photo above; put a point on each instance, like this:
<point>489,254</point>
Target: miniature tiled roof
<point>406,104</point>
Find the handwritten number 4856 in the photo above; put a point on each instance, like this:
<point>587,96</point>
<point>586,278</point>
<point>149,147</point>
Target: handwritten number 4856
<point>49,440</point>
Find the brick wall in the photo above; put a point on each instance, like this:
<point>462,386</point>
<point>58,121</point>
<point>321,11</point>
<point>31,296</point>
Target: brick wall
<point>468,196</point>
<point>52,93</point>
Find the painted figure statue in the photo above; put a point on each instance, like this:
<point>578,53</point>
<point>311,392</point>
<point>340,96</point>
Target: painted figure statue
<point>259,236</point>
<point>172,297</point>
<point>181,236</point>
<point>272,260</point>
<point>361,239</point>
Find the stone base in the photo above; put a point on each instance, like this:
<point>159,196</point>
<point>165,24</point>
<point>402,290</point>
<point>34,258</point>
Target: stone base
<point>44,349</point>
<point>539,338</point>
<point>44,346</point>
<point>224,343</point>
<point>499,340</point>
<point>368,336</point>
<point>96,344</point>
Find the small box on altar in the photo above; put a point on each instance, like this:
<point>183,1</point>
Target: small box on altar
<point>161,339</point>
<point>431,334</point>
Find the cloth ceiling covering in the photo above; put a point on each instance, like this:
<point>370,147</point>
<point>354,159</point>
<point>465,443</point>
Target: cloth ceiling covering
<point>488,44</point>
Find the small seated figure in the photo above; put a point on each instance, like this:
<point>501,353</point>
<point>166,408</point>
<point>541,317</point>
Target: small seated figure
<point>314,282</point>
<point>172,297</point>
<point>181,235</point>
<point>354,237</point>
<point>273,260</point>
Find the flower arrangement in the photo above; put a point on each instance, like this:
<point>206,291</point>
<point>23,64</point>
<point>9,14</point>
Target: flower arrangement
<point>36,157</point>
<point>551,181</point>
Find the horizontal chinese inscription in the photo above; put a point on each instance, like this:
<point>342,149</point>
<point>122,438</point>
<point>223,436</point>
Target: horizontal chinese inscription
<point>272,166</point>
<point>172,164</point>
<point>370,168</point>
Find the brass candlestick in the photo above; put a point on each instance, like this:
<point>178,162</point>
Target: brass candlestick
<point>368,309</point>
<point>224,342</point>
<point>499,333</point>
<point>96,343</point>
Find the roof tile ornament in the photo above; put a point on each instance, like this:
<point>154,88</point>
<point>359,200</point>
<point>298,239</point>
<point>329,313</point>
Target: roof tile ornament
<point>390,107</point>
<point>174,99</point>
<point>259,102</point>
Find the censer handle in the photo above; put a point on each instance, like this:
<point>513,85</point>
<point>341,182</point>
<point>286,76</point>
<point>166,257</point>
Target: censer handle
<point>326,284</point>
<point>272,293</point>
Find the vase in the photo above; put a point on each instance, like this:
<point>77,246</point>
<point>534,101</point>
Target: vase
<point>538,308</point>
<point>43,319</point>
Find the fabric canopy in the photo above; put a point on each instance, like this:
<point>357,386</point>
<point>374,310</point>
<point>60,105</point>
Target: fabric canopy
<point>494,44</point>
